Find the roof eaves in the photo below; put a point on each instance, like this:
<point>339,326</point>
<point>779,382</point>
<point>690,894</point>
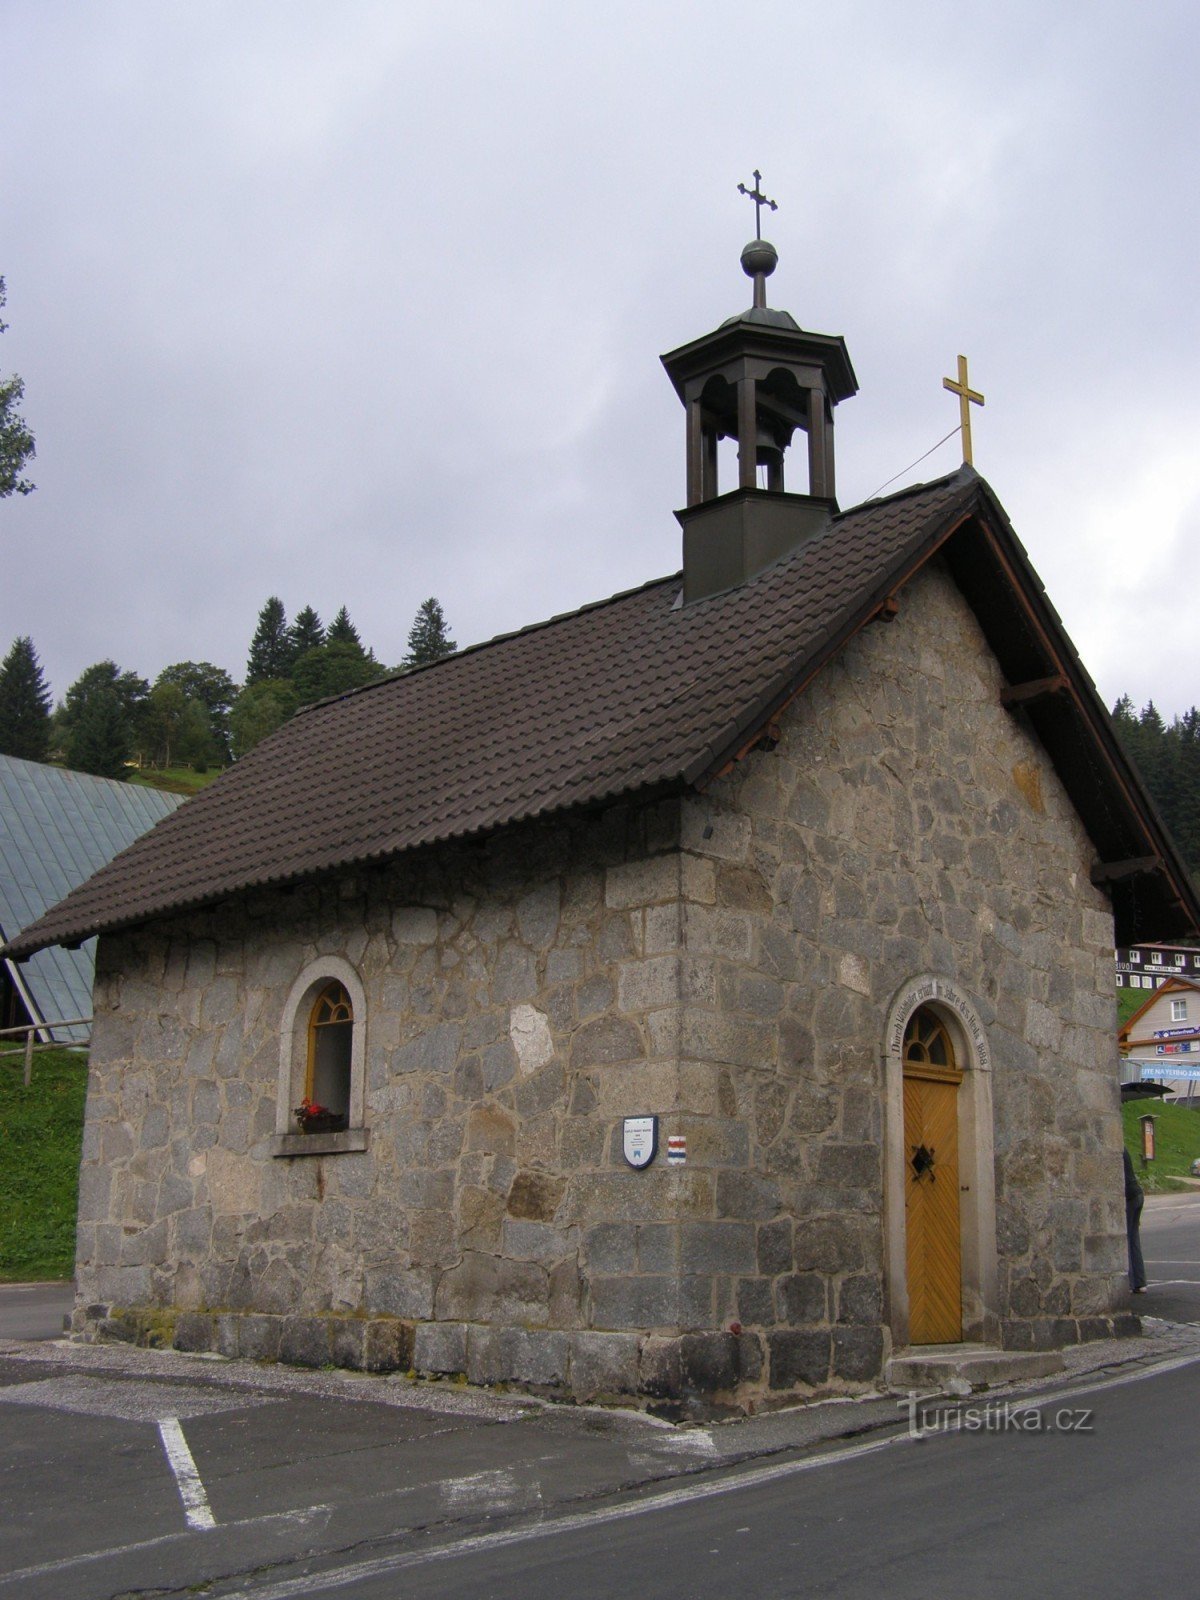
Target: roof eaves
<point>1092,708</point>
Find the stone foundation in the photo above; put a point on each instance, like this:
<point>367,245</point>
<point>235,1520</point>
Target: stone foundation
<point>691,1375</point>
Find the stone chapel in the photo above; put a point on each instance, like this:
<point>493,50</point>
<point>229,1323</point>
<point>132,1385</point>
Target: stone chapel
<point>692,1000</point>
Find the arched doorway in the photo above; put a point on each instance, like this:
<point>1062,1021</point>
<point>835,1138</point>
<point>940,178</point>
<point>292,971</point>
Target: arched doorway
<point>933,1240</point>
<point>939,1221</point>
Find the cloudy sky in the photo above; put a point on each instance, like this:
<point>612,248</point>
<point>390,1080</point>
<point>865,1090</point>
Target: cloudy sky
<point>363,302</point>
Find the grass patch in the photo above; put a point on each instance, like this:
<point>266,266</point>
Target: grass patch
<point>41,1129</point>
<point>175,780</point>
<point>1128,1001</point>
<point>1176,1142</point>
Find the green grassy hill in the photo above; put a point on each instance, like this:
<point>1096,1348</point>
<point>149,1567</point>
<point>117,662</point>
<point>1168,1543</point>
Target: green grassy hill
<point>1176,1138</point>
<point>41,1129</point>
<point>175,780</point>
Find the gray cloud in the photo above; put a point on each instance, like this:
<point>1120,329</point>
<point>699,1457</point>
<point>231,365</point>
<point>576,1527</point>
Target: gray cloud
<point>362,303</point>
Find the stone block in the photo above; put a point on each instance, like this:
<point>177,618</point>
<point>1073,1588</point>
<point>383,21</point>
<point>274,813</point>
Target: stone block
<point>799,1357</point>
<point>658,1247</point>
<point>595,996</point>
<point>537,915</point>
<point>660,1368</point>
<point>485,1289</point>
<point>529,1030</point>
<point>440,1347</point>
<point>648,984</point>
<point>535,1196</point>
<point>755,1302</point>
<point>542,1093</point>
<point>860,1300</point>
<point>602,1365</point>
<point>642,883</point>
<point>226,1340</point>
<point>347,1342</point>
<point>708,831</point>
<point>517,1355</point>
<point>827,1244</point>
<point>651,1301</point>
<point>775,1252</point>
<point>611,1247</point>
<point>259,1337</point>
<point>305,1341</point>
<point>742,888</point>
<point>733,1041</point>
<point>710,1247</point>
<point>396,1292</point>
<point>661,929</point>
<point>606,1041</point>
<point>387,1345</point>
<point>850,1166</point>
<point>414,925</point>
<point>1104,1253</point>
<point>195,1331</point>
<point>746,1196</point>
<point>698,879</point>
<point>709,1362</point>
<point>858,1353</point>
<point>802,1299</point>
<point>534,1241</point>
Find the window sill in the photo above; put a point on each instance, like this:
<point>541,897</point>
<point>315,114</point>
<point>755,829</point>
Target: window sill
<point>320,1144</point>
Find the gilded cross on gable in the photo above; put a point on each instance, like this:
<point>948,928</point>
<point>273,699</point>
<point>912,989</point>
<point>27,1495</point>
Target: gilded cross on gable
<point>967,397</point>
<point>760,200</point>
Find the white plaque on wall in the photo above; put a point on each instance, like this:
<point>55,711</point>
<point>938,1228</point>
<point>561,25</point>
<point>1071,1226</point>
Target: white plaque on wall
<point>640,1140</point>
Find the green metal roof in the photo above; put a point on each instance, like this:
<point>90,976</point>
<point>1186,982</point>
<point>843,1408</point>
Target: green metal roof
<point>56,829</point>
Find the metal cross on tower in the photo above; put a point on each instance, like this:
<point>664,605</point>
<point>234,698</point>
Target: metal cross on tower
<point>760,200</point>
<point>967,397</point>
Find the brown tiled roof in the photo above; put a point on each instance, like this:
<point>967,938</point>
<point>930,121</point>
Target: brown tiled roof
<point>629,693</point>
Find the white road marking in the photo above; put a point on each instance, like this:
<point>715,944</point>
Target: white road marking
<point>191,1490</point>
<point>495,1487</point>
<point>163,1541</point>
<point>340,1577</point>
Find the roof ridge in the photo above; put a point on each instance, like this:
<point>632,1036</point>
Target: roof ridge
<point>496,638</point>
<point>964,472</point>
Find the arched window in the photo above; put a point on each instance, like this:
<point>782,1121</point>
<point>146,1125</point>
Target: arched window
<point>926,1042</point>
<point>330,1052</point>
<point>322,1061</point>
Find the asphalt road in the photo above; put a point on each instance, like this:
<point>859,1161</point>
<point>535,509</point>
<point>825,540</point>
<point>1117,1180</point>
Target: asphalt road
<point>34,1310</point>
<point>986,1515</point>
<point>129,1471</point>
<point>1171,1247</point>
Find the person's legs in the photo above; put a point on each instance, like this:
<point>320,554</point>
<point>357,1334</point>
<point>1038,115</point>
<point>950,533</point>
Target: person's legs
<point>1133,1223</point>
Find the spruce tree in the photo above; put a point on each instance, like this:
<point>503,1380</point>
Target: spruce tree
<point>332,669</point>
<point>271,648</point>
<point>24,704</point>
<point>99,738</point>
<point>342,631</point>
<point>307,632</point>
<point>95,738</point>
<point>428,638</point>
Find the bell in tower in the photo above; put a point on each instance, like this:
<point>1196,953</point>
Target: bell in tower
<point>758,378</point>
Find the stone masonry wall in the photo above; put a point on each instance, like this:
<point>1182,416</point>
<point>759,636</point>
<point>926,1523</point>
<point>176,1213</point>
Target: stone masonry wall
<point>724,960</point>
<point>905,823</point>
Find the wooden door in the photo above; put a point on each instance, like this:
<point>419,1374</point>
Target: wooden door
<point>933,1238</point>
